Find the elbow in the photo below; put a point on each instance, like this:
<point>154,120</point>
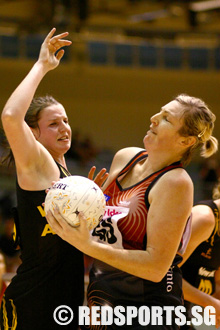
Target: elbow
<point>155,277</point>
<point>7,116</point>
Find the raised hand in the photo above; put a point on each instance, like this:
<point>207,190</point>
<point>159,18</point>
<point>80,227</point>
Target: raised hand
<point>50,55</point>
<point>100,178</point>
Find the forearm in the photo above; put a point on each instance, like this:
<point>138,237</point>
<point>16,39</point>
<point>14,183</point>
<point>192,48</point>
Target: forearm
<point>136,262</point>
<point>21,98</point>
<point>196,296</point>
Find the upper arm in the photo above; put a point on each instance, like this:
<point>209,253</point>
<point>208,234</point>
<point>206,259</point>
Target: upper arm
<point>170,205</point>
<point>34,164</point>
<point>203,222</point>
<point>26,150</point>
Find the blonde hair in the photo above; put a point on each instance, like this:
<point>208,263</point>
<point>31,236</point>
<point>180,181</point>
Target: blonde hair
<point>198,121</point>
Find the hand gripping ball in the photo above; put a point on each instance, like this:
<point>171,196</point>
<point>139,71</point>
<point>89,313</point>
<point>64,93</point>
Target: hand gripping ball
<point>74,194</point>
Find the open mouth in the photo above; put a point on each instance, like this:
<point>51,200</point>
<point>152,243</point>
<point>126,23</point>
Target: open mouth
<point>64,138</point>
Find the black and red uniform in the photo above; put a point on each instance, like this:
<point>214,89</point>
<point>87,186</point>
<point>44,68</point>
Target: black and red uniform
<point>126,228</point>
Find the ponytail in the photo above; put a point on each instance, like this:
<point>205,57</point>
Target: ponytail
<point>209,147</point>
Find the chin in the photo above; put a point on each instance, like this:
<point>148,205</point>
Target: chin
<point>145,141</point>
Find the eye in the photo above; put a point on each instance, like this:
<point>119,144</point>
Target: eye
<point>53,124</point>
<point>165,118</point>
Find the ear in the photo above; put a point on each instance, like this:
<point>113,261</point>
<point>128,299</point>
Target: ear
<point>187,141</point>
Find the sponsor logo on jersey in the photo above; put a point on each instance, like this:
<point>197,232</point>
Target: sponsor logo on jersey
<point>207,273</point>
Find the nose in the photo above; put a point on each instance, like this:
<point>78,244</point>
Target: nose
<point>154,119</point>
<point>63,127</point>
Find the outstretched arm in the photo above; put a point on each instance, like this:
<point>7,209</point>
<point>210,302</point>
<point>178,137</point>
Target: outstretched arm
<point>19,134</point>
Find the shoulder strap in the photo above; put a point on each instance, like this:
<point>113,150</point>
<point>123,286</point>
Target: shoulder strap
<point>215,211</point>
<point>139,156</point>
<point>160,174</point>
<point>211,204</point>
<point>63,171</point>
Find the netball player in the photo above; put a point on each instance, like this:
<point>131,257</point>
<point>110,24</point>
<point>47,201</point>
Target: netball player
<point>51,273</point>
<point>138,249</point>
<point>201,268</point>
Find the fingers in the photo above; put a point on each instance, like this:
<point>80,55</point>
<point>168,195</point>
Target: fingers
<point>55,225</point>
<point>100,177</point>
<point>81,216</point>
<point>50,34</point>
<point>83,223</point>
<point>60,54</point>
<point>59,219</point>
<point>50,37</point>
<point>54,43</point>
<point>58,43</point>
<point>91,173</point>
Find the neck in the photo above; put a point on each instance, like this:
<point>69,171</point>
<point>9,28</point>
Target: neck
<point>61,161</point>
<point>155,161</point>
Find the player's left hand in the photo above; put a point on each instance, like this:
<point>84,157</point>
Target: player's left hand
<point>100,178</point>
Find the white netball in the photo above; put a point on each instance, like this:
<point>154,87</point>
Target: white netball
<point>74,194</point>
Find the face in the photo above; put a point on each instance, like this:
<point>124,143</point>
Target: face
<point>54,131</point>
<point>163,133</point>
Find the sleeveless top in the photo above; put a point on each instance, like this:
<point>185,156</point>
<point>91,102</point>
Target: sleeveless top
<point>124,226</point>
<point>51,272</point>
<point>135,199</point>
<point>199,269</point>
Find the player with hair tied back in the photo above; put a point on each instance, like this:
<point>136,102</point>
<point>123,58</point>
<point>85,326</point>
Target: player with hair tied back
<point>138,249</point>
<point>52,271</point>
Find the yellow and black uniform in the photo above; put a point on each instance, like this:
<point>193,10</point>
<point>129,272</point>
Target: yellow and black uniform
<point>199,269</point>
<point>51,273</point>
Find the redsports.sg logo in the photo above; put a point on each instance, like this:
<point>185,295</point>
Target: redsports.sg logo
<point>144,315</point>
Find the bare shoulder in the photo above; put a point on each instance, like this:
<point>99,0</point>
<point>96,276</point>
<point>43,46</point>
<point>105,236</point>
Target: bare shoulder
<point>175,184</point>
<point>204,215</point>
<point>177,178</point>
